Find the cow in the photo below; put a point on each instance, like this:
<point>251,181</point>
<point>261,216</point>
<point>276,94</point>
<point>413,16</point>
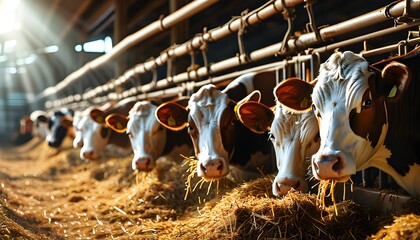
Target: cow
<point>59,127</point>
<point>149,139</point>
<point>96,135</point>
<point>219,139</point>
<point>368,117</point>
<point>40,124</point>
<point>25,125</point>
<point>78,136</point>
<point>294,135</point>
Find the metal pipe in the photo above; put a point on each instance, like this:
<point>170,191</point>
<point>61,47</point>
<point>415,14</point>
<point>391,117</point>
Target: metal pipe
<point>251,18</point>
<point>183,13</point>
<point>302,42</point>
<point>261,54</point>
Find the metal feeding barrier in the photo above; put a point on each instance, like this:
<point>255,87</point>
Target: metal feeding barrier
<point>302,43</point>
<point>299,57</point>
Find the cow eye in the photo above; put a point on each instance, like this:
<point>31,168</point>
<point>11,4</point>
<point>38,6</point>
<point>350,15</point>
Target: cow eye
<point>271,137</point>
<point>313,107</point>
<point>190,128</point>
<point>367,103</point>
<point>129,134</point>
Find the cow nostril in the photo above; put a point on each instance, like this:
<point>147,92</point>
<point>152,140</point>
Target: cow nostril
<point>337,166</point>
<point>203,168</point>
<point>220,167</point>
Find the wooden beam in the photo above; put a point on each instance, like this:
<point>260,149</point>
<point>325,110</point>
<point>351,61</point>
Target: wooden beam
<point>75,17</point>
<point>99,15</point>
<point>144,12</point>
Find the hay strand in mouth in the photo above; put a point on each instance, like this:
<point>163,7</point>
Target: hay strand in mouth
<point>325,189</point>
<point>192,162</point>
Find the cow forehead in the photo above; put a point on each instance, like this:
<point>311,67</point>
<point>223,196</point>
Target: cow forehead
<point>143,108</point>
<point>290,125</point>
<point>207,103</point>
<point>142,117</point>
<point>343,78</point>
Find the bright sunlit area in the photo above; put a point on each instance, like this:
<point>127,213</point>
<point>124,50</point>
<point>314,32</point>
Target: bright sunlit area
<point>8,12</point>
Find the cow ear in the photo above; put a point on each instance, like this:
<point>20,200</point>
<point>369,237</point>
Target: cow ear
<point>172,116</point>
<point>67,122</point>
<point>295,94</point>
<point>396,78</point>
<point>117,122</point>
<point>254,96</point>
<point>183,101</point>
<point>255,116</point>
<point>98,115</point>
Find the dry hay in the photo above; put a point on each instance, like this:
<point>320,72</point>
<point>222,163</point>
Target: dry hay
<point>247,212</point>
<point>104,199</point>
<point>404,227</point>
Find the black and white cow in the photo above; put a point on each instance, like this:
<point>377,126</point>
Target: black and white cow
<point>59,127</point>
<point>219,139</point>
<point>149,139</point>
<point>295,136</point>
<point>368,117</point>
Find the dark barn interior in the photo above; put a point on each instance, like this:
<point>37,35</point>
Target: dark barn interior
<point>80,53</point>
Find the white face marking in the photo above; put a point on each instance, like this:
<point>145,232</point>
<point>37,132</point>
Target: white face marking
<point>93,142</point>
<point>294,137</point>
<point>342,81</point>
<point>206,108</point>
<point>147,136</point>
<point>78,138</point>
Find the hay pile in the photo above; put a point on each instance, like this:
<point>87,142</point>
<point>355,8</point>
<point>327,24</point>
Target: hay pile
<point>404,227</point>
<point>57,196</point>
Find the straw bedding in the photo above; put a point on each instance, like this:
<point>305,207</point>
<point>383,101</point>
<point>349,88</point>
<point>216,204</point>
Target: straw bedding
<point>49,195</point>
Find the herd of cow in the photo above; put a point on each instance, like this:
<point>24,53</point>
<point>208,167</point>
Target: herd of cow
<point>353,116</point>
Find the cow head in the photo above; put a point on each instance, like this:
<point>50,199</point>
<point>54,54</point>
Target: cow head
<point>40,124</point>
<point>211,121</point>
<point>94,132</point>
<point>349,102</point>
<point>147,135</point>
<point>294,135</point>
<point>59,124</point>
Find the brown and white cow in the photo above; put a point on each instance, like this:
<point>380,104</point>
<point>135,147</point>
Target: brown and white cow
<point>218,138</point>
<point>295,136</point>
<point>96,135</point>
<point>368,118</point>
<point>149,139</point>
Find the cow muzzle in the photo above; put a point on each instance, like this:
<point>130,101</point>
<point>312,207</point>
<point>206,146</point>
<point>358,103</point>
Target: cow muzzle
<point>143,164</point>
<point>330,167</point>
<point>282,185</point>
<point>212,169</point>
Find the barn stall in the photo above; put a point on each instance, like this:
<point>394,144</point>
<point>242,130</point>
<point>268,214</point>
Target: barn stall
<point>80,53</point>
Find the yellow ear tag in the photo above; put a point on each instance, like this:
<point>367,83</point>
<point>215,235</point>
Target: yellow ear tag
<point>100,119</point>
<point>119,126</point>
<point>171,121</point>
<point>393,91</point>
<point>304,103</point>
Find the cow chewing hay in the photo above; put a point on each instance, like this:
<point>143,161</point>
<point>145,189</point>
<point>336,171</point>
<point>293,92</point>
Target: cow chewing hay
<point>192,163</point>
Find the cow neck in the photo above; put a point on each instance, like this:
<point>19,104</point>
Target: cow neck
<point>403,136</point>
<point>176,139</point>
